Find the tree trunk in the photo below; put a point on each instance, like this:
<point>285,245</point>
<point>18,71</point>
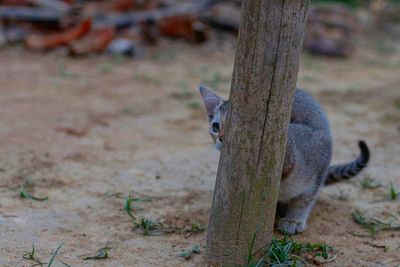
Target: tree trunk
<point>250,168</point>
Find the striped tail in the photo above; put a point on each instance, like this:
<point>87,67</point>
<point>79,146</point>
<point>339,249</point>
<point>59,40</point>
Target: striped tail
<point>337,173</point>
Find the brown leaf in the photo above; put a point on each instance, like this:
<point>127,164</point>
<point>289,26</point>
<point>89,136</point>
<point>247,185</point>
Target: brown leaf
<point>57,39</point>
<point>95,41</point>
<point>184,27</point>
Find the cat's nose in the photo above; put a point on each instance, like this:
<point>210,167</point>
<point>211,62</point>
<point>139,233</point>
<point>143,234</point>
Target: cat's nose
<point>221,135</point>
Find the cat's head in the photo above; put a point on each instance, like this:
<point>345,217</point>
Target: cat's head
<point>216,109</point>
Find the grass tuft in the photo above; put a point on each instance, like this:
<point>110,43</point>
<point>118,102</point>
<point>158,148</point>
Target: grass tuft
<point>374,225</point>
<point>281,252</point>
<point>30,255</point>
<point>188,253</point>
<point>369,182</point>
<point>195,228</point>
<point>128,205</point>
<point>149,227</point>
<point>102,253</point>
<point>393,193</point>
<point>321,250</point>
<point>154,227</point>
<point>287,252</point>
<point>25,194</point>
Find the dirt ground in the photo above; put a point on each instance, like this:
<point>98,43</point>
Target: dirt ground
<point>87,132</point>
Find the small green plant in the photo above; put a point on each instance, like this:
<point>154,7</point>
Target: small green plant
<point>196,228</point>
<point>148,226</point>
<point>321,250</point>
<point>30,255</point>
<point>154,227</point>
<point>374,225</point>
<point>186,230</point>
<point>287,252</point>
<point>369,182</point>
<point>281,252</point>
<point>188,253</point>
<point>102,253</point>
<point>128,207</point>
<point>393,193</point>
<point>24,194</point>
<point>27,195</point>
<point>360,218</point>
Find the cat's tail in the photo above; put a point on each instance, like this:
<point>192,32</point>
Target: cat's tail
<point>337,173</point>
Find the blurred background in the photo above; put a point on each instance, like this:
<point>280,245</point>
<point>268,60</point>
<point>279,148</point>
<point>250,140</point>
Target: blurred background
<point>99,108</point>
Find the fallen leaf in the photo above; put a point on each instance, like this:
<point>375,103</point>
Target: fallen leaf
<point>43,42</point>
<point>94,42</point>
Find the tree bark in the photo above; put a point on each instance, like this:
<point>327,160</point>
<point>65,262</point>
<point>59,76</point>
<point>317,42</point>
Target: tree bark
<point>250,168</point>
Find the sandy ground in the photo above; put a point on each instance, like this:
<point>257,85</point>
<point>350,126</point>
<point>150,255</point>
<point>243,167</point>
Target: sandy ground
<point>87,132</point>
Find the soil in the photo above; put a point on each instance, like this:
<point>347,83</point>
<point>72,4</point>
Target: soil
<point>87,132</point>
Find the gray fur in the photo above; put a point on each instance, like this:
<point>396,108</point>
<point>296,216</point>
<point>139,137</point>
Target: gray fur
<point>307,158</point>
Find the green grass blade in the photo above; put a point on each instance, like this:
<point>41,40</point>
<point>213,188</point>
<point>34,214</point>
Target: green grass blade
<point>55,254</point>
<point>101,254</point>
<point>250,252</point>
<point>27,195</point>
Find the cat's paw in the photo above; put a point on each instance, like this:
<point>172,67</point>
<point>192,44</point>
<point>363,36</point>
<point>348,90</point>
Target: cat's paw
<point>291,226</point>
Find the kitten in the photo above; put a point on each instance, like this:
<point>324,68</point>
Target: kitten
<point>306,166</point>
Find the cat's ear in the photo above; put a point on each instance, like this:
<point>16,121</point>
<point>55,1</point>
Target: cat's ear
<point>210,100</point>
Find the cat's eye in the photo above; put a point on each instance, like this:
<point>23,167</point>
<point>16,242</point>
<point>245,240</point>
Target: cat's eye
<point>215,127</point>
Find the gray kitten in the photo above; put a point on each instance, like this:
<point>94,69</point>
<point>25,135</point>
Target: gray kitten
<point>306,166</point>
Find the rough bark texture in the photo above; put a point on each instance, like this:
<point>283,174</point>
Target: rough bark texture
<point>250,167</point>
